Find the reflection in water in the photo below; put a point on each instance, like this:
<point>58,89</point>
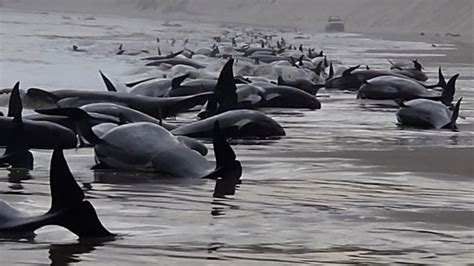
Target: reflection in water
<point>16,176</point>
<point>64,254</point>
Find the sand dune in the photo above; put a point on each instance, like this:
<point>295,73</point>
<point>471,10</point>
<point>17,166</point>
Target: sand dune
<point>395,16</point>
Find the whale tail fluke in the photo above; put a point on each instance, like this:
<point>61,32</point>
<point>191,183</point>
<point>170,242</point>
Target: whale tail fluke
<point>441,81</point>
<point>447,96</point>
<point>76,215</point>
<point>228,169</point>
<point>17,153</point>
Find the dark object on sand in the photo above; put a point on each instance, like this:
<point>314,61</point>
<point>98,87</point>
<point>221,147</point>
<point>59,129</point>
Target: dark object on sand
<point>334,24</point>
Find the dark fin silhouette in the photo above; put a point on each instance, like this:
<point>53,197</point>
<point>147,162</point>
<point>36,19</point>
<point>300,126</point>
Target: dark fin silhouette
<point>331,71</point>
<point>417,64</point>
<point>108,84</point>
<point>455,115</point>
<point>176,82</point>
<point>228,169</point>
<point>225,92</point>
<point>441,81</point>
<point>77,215</point>
<point>447,96</point>
<point>133,84</point>
<point>17,152</point>
<point>348,71</point>
<point>120,50</point>
<point>321,53</point>
<point>300,60</point>
<point>173,55</point>
<point>301,48</point>
<point>81,118</point>
<point>159,50</point>
<point>281,81</point>
<point>160,57</point>
<point>319,68</point>
<point>64,190</point>
<point>15,107</point>
<point>215,51</point>
<point>367,67</point>
<point>84,222</point>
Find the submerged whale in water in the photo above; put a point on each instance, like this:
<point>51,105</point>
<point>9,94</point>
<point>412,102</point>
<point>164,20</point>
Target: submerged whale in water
<point>423,113</point>
<point>68,208</point>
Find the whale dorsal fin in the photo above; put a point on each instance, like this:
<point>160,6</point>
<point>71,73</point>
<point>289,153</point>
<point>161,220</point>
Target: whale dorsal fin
<point>108,84</point>
<point>331,71</point>
<point>226,89</point>
<point>64,190</point>
<point>17,152</point>
<point>15,107</point>
<point>281,81</point>
<point>348,71</point>
<point>417,64</point>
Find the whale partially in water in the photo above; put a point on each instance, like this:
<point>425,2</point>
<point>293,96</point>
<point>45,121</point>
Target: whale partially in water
<point>69,209</point>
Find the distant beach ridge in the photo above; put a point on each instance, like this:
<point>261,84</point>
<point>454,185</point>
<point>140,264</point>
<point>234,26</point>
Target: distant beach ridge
<point>451,17</point>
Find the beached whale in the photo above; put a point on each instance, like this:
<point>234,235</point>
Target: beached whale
<point>37,134</point>
<point>391,88</point>
<point>235,124</point>
<point>423,113</point>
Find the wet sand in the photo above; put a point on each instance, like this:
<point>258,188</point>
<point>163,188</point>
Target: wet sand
<point>433,162</point>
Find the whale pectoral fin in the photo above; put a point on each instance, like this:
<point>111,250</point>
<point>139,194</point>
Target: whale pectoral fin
<point>271,96</point>
<point>47,98</point>
<point>176,82</point>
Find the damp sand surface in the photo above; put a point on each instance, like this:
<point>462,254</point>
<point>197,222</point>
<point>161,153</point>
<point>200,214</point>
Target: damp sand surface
<point>346,185</point>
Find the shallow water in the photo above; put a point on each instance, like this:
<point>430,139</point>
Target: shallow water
<point>304,199</point>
